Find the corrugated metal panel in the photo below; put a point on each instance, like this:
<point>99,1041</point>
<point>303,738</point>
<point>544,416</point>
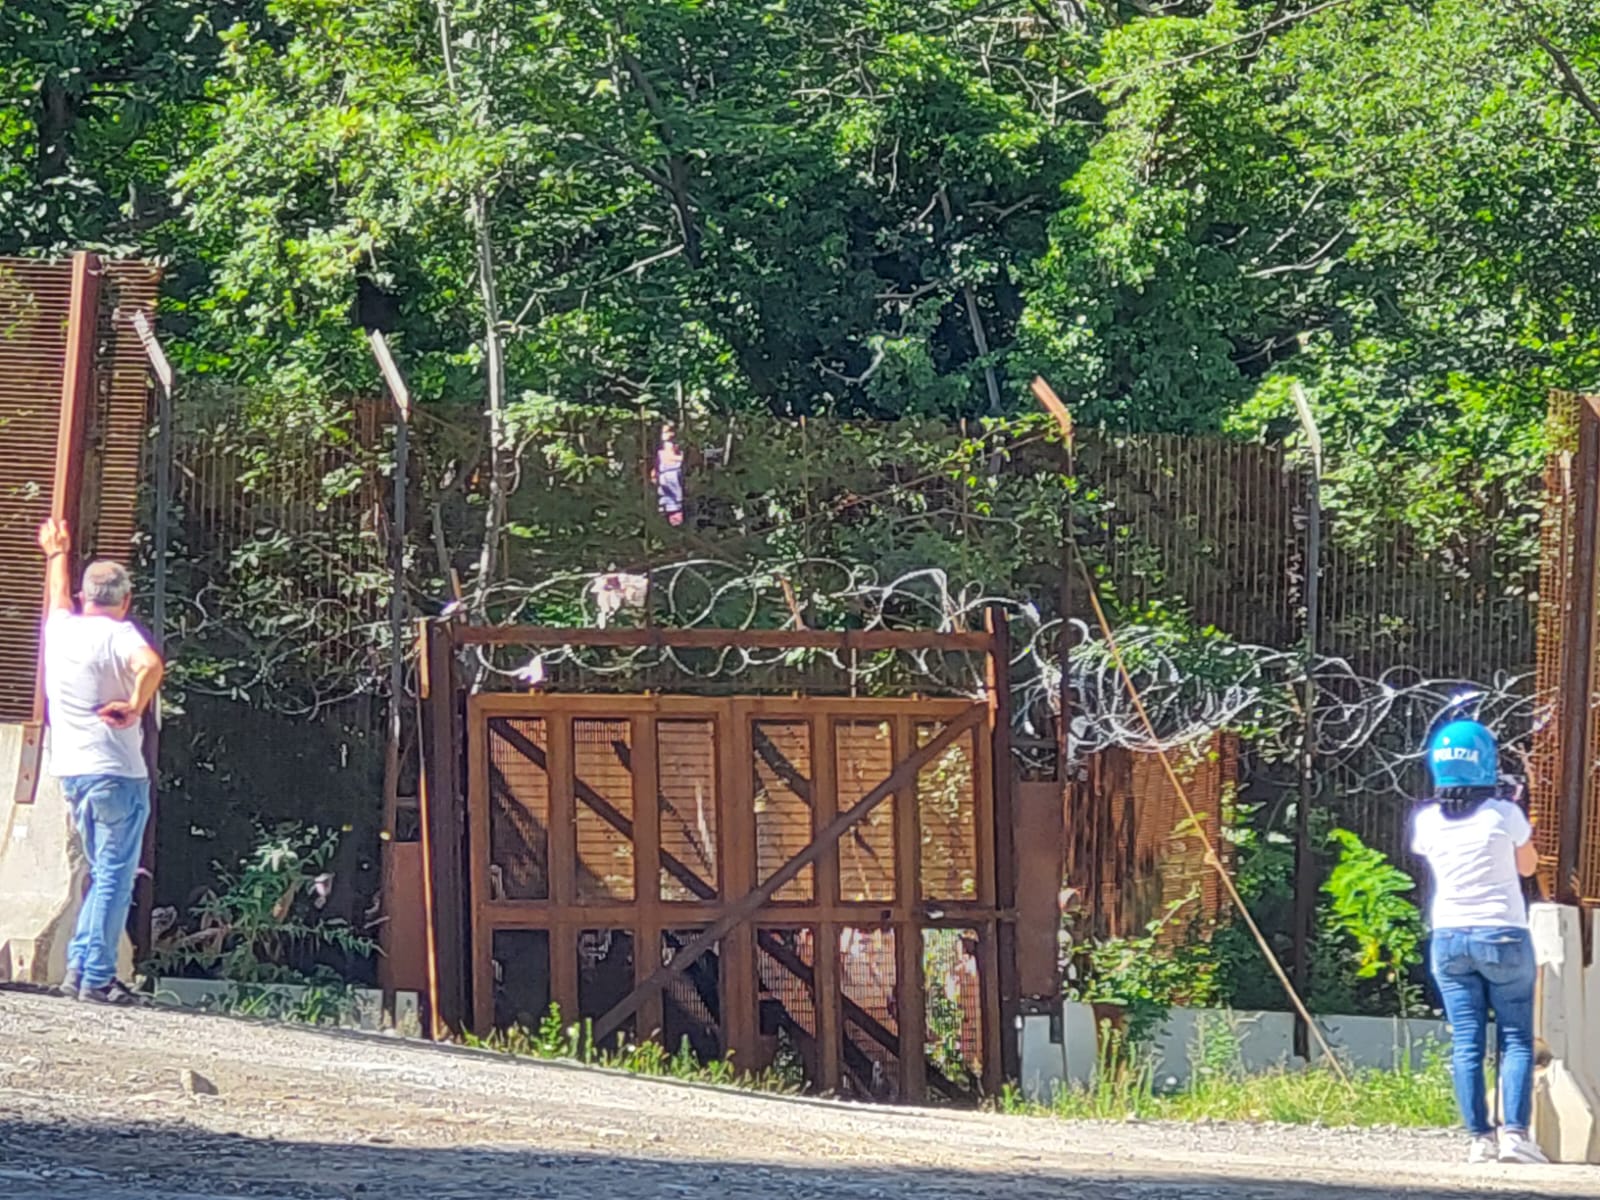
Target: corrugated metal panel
<point>121,419</point>
<point>35,301</point>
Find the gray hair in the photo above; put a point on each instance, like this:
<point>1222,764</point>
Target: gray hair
<point>106,584</point>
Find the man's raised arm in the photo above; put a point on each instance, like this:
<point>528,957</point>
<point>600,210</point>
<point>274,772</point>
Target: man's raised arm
<point>56,542</point>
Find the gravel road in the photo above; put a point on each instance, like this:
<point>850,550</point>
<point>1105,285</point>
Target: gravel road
<point>98,1104</point>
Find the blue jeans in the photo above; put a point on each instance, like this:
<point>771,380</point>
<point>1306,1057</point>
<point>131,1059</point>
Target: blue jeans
<point>110,812</point>
<point>1478,969</point>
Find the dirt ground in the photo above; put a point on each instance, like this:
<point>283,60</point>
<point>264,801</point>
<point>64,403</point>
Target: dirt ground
<point>97,1103</point>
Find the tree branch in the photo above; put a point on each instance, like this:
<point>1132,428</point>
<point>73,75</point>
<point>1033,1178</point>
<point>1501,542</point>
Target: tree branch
<point>1574,85</point>
<point>676,182</point>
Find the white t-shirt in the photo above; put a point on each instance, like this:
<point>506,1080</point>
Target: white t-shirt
<point>1474,861</point>
<point>88,663</point>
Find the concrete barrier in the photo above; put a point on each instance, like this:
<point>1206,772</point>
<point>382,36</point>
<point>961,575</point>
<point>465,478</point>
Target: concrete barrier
<point>364,1009</point>
<point>1251,1041</point>
<point>42,873</point>
<point>1566,1097</point>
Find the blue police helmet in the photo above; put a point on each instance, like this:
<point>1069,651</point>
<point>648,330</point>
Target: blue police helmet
<point>1463,754</point>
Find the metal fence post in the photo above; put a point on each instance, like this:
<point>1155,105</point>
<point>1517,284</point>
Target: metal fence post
<point>1577,668</point>
<point>1304,863</point>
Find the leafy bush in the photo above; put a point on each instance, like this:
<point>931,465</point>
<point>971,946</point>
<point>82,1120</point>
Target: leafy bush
<point>1149,975</point>
<point>1375,929</point>
<point>264,922</point>
<point>1366,941</point>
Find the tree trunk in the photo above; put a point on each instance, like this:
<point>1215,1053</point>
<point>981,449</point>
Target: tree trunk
<point>479,214</point>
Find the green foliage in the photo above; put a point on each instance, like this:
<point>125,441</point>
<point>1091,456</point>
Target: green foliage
<point>264,922</point>
<point>328,1002</point>
<point>1151,974</point>
<point>1369,909</point>
<point>1366,940</point>
<point>1221,1090</point>
<point>555,1040</point>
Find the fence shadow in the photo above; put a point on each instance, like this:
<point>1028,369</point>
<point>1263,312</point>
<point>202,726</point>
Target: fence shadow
<point>92,1160</point>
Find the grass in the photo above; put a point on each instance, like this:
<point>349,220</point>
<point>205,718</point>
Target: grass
<point>1221,1090</point>
<point>1411,1099</point>
<point>575,1043</point>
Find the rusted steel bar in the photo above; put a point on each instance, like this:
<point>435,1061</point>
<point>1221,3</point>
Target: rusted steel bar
<point>723,639</point>
<point>444,889</point>
<point>1305,884</point>
<point>77,398</point>
<point>997,625</point>
<point>899,779</point>
<point>1577,679</point>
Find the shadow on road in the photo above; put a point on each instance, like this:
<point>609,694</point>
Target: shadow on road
<point>136,1161</point>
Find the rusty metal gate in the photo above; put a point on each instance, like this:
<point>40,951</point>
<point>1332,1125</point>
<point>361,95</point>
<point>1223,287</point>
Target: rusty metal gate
<point>808,881</point>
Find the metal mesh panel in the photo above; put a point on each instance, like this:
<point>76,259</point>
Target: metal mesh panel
<point>782,765</point>
<point>947,821</point>
<point>521,977</point>
<point>519,814</point>
<point>604,786</point>
<point>786,993</point>
<point>686,771</point>
<point>953,996</point>
<point>1556,534</point>
<point>605,975</point>
<point>867,978</point>
<point>692,1001</point>
<point>1204,519</point>
<point>274,521</point>
<point>864,755</point>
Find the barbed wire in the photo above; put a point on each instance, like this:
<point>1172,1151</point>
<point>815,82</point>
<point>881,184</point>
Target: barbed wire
<point>1194,683</point>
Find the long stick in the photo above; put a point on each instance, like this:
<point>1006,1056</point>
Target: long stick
<point>1212,856</point>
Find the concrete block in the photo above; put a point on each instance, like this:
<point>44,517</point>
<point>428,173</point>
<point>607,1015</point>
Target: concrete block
<point>1081,1038</point>
<point>268,999</point>
<point>408,1014</point>
<point>1048,1067</point>
<point>1564,1120</point>
<point>1566,1110</point>
<point>43,874</point>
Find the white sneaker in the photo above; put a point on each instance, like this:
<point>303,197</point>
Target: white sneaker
<point>1519,1148</point>
<point>1483,1150</point>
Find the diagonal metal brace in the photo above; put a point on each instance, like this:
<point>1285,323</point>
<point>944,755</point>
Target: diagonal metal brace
<point>902,777</point>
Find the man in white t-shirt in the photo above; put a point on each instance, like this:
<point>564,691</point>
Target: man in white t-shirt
<point>99,677</point>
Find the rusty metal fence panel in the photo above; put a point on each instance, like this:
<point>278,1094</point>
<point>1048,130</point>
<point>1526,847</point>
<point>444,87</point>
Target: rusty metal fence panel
<point>605,831</point>
<point>1566,812</point>
<point>90,471</point>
